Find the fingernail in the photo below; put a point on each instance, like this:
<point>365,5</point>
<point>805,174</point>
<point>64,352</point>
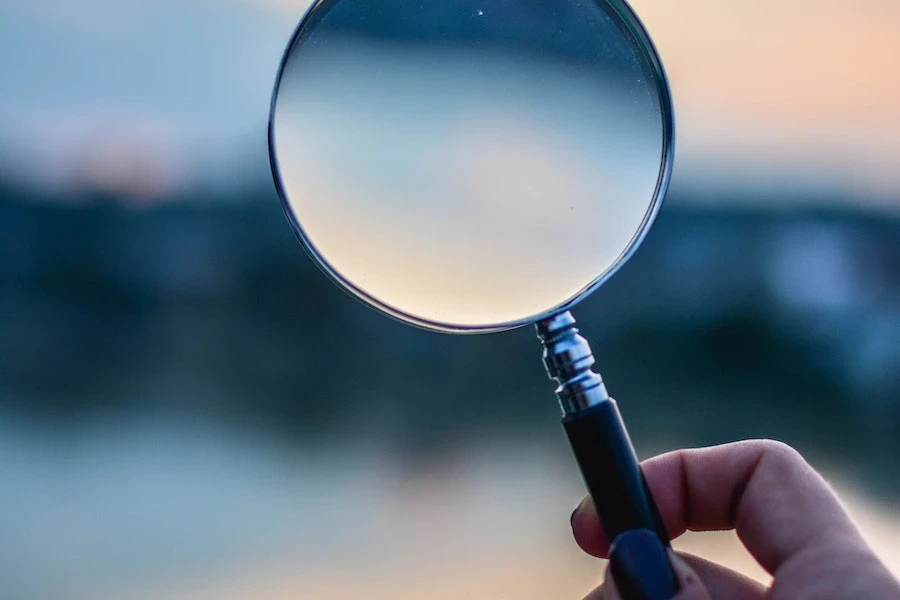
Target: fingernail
<point>575,514</point>
<point>640,567</point>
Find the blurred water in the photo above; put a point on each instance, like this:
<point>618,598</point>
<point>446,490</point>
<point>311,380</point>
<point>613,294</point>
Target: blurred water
<point>122,509</point>
<point>162,508</point>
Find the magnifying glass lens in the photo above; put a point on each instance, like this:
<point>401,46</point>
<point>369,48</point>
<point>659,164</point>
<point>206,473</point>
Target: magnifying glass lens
<point>465,165</point>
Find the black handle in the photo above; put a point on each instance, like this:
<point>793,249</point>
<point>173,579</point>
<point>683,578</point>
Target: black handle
<point>611,471</point>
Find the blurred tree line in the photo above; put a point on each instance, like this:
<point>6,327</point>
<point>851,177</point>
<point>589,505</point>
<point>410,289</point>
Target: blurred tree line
<point>726,324</point>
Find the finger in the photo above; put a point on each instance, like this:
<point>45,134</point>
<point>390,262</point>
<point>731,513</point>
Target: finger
<point>722,582</point>
<point>719,582</point>
<point>690,586</point>
<point>589,535</point>
<point>776,501</point>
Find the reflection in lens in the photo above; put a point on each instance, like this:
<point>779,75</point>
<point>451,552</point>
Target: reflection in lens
<point>468,164</point>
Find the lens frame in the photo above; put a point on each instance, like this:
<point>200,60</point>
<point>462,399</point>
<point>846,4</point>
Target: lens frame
<point>626,18</point>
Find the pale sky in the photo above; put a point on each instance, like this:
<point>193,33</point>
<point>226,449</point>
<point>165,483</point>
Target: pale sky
<point>769,93</point>
<point>804,89</point>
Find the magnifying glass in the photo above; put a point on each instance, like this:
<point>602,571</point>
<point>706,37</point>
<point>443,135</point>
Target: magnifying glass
<point>472,166</point>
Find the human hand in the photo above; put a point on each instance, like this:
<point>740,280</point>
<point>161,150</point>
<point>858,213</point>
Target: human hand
<point>784,513</point>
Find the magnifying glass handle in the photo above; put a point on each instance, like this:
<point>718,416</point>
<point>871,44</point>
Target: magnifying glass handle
<point>597,433</point>
<point>611,471</point>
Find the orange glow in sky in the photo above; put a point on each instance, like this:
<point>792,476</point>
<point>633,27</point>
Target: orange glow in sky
<point>802,91</point>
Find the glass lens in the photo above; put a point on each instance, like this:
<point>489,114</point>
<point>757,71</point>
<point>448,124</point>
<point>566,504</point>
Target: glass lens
<point>470,165</point>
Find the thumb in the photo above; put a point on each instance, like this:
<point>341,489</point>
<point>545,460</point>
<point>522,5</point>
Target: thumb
<point>641,568</point>
<point>690,587</point>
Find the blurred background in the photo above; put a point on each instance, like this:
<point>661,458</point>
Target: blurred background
<point>190,409</point>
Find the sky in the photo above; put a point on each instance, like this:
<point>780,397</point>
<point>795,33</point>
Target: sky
<point>801,91</point>
<point>153,96</point>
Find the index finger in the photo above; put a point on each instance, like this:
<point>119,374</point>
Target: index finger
<point>764,489</point>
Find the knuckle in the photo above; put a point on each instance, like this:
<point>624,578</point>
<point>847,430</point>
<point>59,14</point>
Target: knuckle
<point>780,452</point>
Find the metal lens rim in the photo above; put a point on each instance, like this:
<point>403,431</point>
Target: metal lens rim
<point>632,24</point>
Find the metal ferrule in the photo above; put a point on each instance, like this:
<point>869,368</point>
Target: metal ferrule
<point>568,360</point>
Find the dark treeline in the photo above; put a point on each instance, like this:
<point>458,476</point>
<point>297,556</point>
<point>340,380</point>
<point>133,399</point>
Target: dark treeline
<point>726,324</point>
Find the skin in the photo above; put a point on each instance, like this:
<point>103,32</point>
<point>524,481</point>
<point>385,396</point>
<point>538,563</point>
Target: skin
<point>783,511</point>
